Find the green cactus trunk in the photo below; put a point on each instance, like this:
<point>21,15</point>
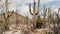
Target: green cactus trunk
<point>34,16</point>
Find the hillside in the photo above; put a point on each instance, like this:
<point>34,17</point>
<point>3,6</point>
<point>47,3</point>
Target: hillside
<point>16,18</point>
<point>24,26</point>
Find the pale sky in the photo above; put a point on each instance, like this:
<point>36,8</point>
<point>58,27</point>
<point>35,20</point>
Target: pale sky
<point>23,8</point>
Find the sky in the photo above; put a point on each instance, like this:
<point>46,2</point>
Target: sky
<point>23,5</point>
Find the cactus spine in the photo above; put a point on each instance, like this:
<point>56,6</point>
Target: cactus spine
<point>34,12</point>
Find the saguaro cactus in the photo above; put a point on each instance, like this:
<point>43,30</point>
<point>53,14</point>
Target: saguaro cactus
<point>58,19</point>
<point>49,13</point>
<point>6,16</point>
<point>58,16</point>
<point>34,12</point>
<point>45,10</point>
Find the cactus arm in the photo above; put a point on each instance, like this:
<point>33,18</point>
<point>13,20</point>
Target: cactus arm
<point>38,7</point>
<point>45,12</point>
<point>37,13</point>
<point>58,10</point>
<point>30,9</point>
<point>48,13</point>
<point>34,9</point>
<point>10,14</point>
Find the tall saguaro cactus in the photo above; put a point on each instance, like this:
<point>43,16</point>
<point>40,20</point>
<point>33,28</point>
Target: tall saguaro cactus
<point>34,12</point>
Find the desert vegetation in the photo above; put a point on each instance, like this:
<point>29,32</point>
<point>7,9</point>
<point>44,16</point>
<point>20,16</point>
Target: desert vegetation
<point>13,23</point>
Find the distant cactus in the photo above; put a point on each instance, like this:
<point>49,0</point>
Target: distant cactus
<point>27,19</point>
<point>49,13</point>
<point>45,11</point>
<point>6,16</point>
<point>16,18</point>
<point>58,17</point>
<point>34,12</point>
